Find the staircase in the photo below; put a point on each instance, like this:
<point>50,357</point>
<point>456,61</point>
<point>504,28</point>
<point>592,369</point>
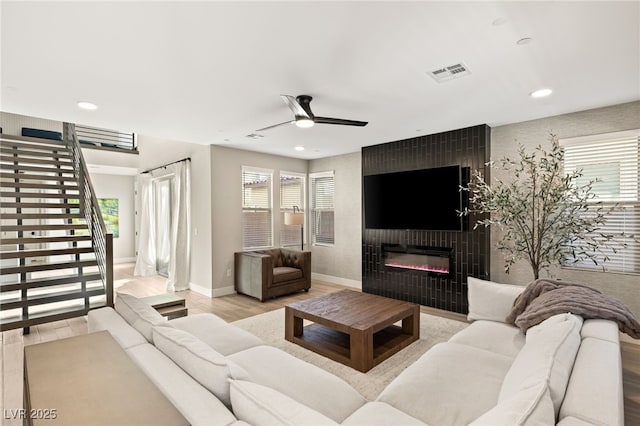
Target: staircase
<point>55,252</point>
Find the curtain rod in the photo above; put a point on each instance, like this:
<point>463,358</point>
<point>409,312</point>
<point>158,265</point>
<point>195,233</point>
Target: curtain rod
<point>168,164</point>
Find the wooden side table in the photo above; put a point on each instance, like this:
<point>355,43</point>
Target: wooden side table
<point>90,380</point>
<point>168,305</point>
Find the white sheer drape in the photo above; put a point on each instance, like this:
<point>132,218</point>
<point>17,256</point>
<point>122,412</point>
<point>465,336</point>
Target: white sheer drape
<point>180,259</point>
<point>180,227</point>
<point>146,256</point>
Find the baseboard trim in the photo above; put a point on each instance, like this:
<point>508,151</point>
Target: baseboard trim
<point>224,291</point>
<point>124,260</point>
<point>337,280</point>
<point>199,289</point>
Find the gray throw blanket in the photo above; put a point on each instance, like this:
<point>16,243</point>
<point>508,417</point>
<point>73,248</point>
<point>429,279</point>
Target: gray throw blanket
<point>545,298</point>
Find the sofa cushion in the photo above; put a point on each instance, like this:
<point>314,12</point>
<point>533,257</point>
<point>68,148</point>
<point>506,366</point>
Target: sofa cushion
<point>530,406</point>
<point>260,405</point>
<point>199,406</point>
<point>380,414</point>
<point>601,329</point>
<point>138,314</point>
<point>490,301</point>
<point>276,255</point>
<point>492,336</point>
<point>108,319</point>
<point>594,393</point>
<point>451,384</point>
<point>547,357</point>
<point>217,333</point>
<point>285,273</point>
<point>204,364</point>
<point>300,380</point>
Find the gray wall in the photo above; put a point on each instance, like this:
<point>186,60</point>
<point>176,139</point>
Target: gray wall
<point>226,206</point>
<point>342,262</point>
<point>504,142</point>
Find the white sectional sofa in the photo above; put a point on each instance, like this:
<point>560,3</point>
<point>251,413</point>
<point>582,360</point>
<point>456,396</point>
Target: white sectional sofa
<point>564,371</point>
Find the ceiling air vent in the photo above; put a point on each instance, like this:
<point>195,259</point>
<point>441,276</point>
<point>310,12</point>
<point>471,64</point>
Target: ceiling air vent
<point>450,72</point>
<point>254,136</point>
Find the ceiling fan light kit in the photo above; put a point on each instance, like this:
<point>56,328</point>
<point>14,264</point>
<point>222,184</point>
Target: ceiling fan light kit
<point>304,122</point>
<point>304,118</point>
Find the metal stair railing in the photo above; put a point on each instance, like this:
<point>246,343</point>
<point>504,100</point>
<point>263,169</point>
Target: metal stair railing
<point>102,239</point>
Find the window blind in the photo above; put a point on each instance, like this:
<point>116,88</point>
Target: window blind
<point>257,222</point>
<point>322,207</point>
<point>291,194</point>
<point>614,160</point>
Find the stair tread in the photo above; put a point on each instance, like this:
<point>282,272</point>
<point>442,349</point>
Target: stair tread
<point>43,178</point>
<point>50,281</point>
<point>34,145</point>
<point>28,160</point>
<point>49,297</point>
<point>41,141</point>
<point>5,184</point>
<point>62,154</point>
<point>20,254</point>
<point>35,318</point>
<point>43,227</point>
<point>32,195</point>
<point>44,206</point>
<point>46,239</point>
<point>39,169</point>
<point>49,266</point>
<point>28,216</point>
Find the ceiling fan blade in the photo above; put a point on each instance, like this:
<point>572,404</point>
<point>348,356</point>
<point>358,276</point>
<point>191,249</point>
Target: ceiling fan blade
<point>276,125</point>
<point>341,121</point>
<point>293,104</point>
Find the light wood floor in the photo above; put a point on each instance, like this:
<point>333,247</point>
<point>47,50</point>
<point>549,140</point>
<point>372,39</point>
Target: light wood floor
<point>230,308</point>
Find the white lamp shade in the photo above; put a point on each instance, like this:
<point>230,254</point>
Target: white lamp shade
<point>293,218</point>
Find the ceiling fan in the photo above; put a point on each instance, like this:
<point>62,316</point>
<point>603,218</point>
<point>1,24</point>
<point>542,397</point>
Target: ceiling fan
<point>303,117</point>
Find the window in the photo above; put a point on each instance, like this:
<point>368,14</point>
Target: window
<point>257,217</point>
<point>614,159</point>
<point>322,217</point>
<point>291,194</point>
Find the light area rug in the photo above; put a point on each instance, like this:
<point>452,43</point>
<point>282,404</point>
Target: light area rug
<point>433,329</point>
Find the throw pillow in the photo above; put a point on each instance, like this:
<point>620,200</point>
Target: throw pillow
<point>260,405</point>
<point>199,360</point>
<point>547,357</point>
<point>138,314</point>
<point>530,406</point>
<point>489,300</point>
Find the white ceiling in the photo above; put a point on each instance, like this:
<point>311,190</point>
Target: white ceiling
<point>212,72</point>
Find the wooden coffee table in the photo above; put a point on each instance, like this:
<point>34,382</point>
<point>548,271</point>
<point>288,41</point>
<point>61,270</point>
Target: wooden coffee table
<point>353,328</point>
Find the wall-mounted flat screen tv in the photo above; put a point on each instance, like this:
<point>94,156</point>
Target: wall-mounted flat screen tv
<point>416,199</point>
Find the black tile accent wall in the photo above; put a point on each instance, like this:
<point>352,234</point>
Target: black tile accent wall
<point>468,147</point>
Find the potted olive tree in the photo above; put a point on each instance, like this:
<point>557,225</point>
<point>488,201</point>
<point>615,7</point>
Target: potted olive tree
<point>546,215</point>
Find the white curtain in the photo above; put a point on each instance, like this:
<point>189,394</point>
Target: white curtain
<point>180,232</point>
<point>146,256</point>
<point>180,259</point>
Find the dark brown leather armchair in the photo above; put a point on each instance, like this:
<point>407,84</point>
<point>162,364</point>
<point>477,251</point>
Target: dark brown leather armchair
<point>269,273</point>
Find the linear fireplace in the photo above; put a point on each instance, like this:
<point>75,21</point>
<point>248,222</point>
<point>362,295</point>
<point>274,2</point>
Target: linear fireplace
<point>434,260</point>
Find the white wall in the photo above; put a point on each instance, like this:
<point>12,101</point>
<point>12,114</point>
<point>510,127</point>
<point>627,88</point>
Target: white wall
<point>504,142</point>
<point>226,206</point>
<point>120,187</point>
<point>156,152</point>
<point>12,124</point>
<point>342,262</point>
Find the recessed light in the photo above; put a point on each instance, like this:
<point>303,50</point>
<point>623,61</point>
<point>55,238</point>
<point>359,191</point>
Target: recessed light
<point>87,105</point>
<point>299,148</point>
<point>541,93</point>
<point>499,21</point>
<point>524,40</point>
